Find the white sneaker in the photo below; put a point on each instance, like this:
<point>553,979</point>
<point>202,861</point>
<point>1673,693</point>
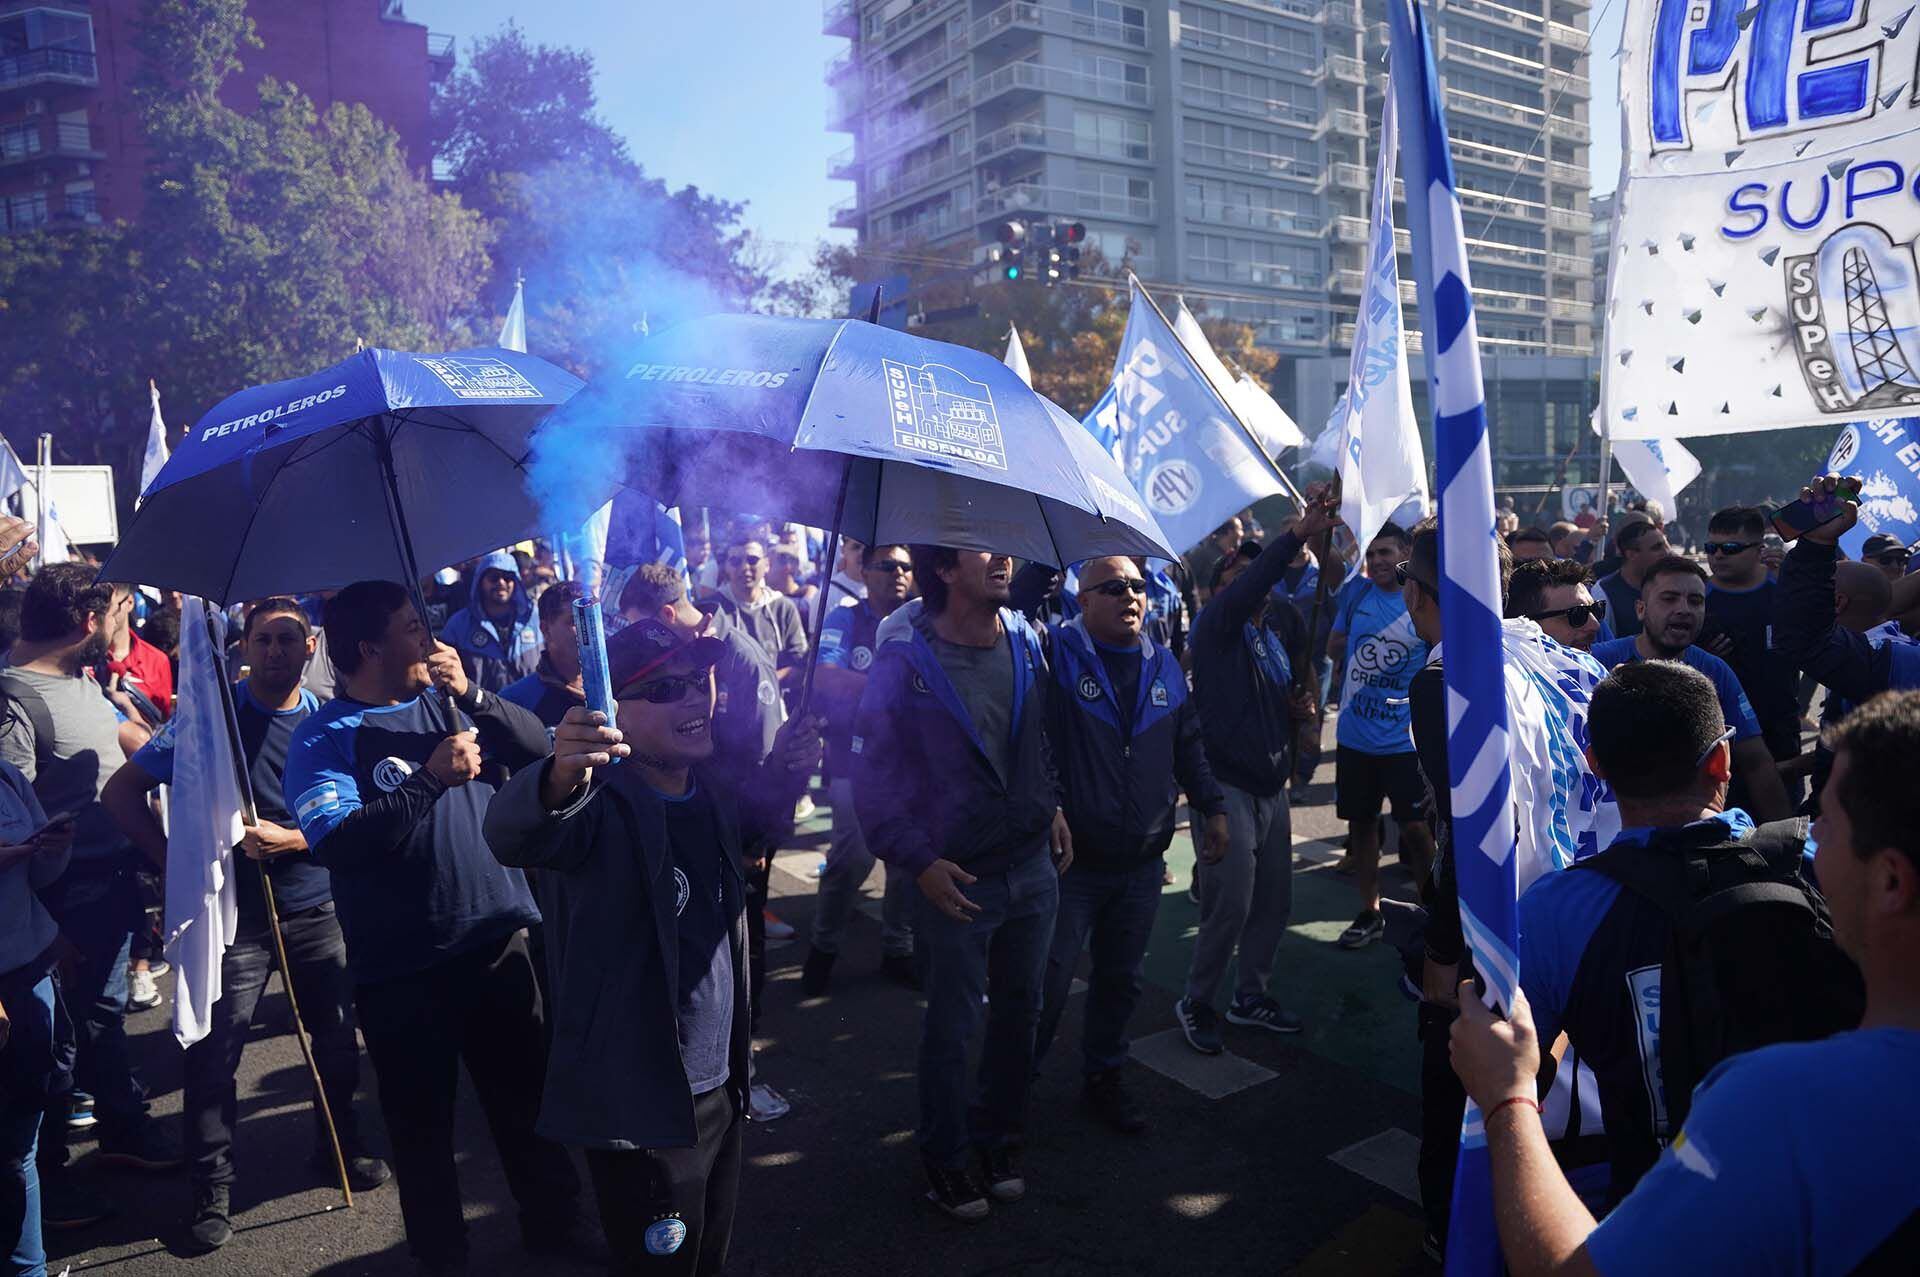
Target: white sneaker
<point>803,808</point>
<point>764,1104</point>
<point>142,993</point>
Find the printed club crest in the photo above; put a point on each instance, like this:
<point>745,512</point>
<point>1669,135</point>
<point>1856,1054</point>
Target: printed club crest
<point>944,412</point>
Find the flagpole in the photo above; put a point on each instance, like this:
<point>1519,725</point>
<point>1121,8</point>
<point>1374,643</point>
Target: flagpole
<point>43,465</point>
<point>250,817</point>
<point>1232,412</point>
<point>1606,465</point>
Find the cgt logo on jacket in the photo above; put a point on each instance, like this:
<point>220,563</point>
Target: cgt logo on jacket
<point>391,773</point>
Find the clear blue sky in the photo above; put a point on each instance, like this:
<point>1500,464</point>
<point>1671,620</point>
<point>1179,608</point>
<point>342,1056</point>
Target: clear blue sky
<point>729,94</point>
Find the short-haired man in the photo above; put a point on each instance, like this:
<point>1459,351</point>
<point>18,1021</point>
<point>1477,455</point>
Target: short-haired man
<point>136,663</point>
<point>1378,652</point>
<point>64,737</point>
<point>848,640</point>
<point>1672,607</point>
<point>1741,603</point>
<point>495,634</point>
<point>1642,544</point>
<point>392,803</point>
<point>1528,544</point>
<point>1553,594</point>
<point>1794,1158</point>
<point>1887,553</point>
<point>1127,740</point>
<point>770,617</point>
<point>954,782</point>
<point>268,707</point>
<point>640,868</point>
<point>554,687</point>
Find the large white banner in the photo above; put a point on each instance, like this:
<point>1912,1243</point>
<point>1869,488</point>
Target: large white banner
<point>1764,271</point>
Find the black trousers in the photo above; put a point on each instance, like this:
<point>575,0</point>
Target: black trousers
<point>317,958</point>
<point>670,1210</point>
<point>1443,1103</point>
<point>482,1007</point>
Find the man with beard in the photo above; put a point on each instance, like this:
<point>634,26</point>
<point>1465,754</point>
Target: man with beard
<point>494,633</point>
<point>554,687</point>
<point>1553,594</point>
<point>1670,610</point>
<point>62,735</point>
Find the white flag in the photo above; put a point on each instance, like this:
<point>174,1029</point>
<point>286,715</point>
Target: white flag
<point>13,475</point>
<point>156,446</point>
<point>1658,468</point>
<point>1265,418</point>
<point>1016,357</point>
<point>1382,467</point>
<point>205,830</point>
<point>513,333</point>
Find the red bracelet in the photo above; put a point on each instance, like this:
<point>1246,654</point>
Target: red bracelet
<point>1515,1099</point>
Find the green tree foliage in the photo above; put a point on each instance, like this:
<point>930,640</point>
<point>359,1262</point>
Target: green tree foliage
<point>271,241</point>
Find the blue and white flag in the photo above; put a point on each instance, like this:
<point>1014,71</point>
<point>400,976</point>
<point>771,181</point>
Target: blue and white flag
<point>1267,420</point>
<point>634,530</point>
<point>1382,468</point>
<point>1103,422</point>
<point>1180,443</point>
<point>1478,744</point>
<point>1884,454</point>
<point>1657,468</point>
<point>156,455</point>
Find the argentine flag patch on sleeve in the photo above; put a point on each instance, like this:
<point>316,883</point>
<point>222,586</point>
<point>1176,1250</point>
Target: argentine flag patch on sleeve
<point>318,801</point>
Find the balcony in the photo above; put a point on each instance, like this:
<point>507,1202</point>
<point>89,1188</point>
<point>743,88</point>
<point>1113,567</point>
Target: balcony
<point>1259,274</point>
<point>888,80</point>
<point>1027,15</point>
<point>1527,117</point>
<point>844,164</point>
<point>1569,264</point>
<point>915,18</point>
<point>1250,50</point>
<point>1473,55</point>
<point>840,17</point>
<point>1493,250</point>
<point>1349,177</point>
<point>839,64</point>
<point>1297,167</point>
<point>920,176</point>
<point>48,67</point>
<point>1571,129</point>
<point>439,56</point>
<point>33,142</point>
<point>1024,197</point>
<point>1498,14</point>
<point>1566,219</point>
<point>1500,157</point>
<point>846,213</point>
<point>1570,308</point>
<point>1569,174</point>
<point>1350,230</point>
<point>1034,77</point>
<point>1341,122</point>
<point>843,107</point>
<point>1338,66</point>
<point>1343,13</point>
<point>1029,135</point>
<point>1506,303</point>
<point>1268,110</point>
<point>923,230</point>
<point>917,127</point>
<point>1221,213</point>
<point>42,211</point>
<point>1350,283</point>
<point>1499,205</point>
<point>1571,36</point>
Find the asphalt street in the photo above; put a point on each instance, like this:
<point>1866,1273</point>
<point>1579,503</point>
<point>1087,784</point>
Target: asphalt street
<point>1289,1155</point>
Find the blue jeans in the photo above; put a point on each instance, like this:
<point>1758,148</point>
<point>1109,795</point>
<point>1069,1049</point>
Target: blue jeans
<point>1000,952</point>
<point>24,1066</point>
<point>1113,910</point>
<point>97,907</point>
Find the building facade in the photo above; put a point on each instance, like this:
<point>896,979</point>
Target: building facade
<point>70,143</point>
<point>1223,149</point>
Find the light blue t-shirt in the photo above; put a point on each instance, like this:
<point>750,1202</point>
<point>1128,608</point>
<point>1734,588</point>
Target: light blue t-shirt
<point>1383,654</point>
<point>1796,1159</point>
<point>1734,707</point>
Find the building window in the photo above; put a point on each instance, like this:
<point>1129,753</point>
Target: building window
<point>1104,18</point>
<point>1116,136</point>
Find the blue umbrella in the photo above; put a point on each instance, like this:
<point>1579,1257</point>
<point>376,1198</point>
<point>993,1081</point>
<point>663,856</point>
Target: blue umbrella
<point>837,423</point>
<point>381,463</point>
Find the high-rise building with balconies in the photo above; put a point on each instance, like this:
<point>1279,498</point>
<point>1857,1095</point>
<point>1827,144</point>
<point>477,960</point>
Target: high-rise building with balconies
<point>70,143</point>
<point>1224,149</point>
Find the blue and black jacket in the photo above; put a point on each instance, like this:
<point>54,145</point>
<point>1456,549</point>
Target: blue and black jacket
<point>1121,773</point>
<point>413,881</point>
<point>1245,647</point>
<point>923,787</point>
<point>495,652</point>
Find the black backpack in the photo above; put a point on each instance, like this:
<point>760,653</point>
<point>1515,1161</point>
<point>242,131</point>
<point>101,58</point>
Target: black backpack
<point>1751,959</point>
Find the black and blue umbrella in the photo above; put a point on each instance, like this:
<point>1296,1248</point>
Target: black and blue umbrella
<point>382,463</point>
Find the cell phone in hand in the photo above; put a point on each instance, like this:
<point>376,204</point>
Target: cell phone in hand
<point>1798,517</point>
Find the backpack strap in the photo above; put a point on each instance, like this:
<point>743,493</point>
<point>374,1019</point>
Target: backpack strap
<point>1657,876</point>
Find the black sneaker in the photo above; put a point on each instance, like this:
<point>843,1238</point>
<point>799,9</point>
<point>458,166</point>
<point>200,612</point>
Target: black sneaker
<point>364,1174</point>
<point>955,1192</point>
<point>1000,1167</point>
<point>66,1202</point>
<point>816,972</point>
<point>1106,1098</point>
<point>1199,1025</point>
<point>1262,1012</point>
<point>902,970</point>
<point>146,1147</point>
<point>210,1229</point>
<point>1366,927</point>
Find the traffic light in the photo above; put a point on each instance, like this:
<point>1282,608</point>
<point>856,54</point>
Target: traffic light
<point>1072,234</point>
<point>1013,238</point>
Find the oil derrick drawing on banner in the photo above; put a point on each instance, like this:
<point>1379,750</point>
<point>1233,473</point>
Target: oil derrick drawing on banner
<point>1764,272</point>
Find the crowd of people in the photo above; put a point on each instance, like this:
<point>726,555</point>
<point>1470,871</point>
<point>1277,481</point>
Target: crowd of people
<point>467,865</point>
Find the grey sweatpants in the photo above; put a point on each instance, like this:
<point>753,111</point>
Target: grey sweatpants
<point>1246,899</point>
<point>848,864</point>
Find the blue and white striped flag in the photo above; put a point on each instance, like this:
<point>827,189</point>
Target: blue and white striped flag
<point>1477,735</point>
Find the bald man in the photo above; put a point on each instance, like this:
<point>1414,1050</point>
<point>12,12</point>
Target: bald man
<point>1861,596</point>
<point>1126,739</point>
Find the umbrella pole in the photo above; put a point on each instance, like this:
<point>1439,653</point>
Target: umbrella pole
<point>820,613</point>
<point>250,817</point>
<point>403,538</point>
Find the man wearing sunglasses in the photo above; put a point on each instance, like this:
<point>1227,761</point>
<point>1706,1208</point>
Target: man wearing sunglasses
<point>771,618</point>
<point>1127,739</point>
<point>1742,599</point>
<point>1553,594</point>
<point>640,871</point>
<point>1672,607</point>
<point>1886,552</point>
<point>848,640</point>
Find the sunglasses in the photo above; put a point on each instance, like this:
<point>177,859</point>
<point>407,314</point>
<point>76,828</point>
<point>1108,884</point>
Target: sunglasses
<point>1119,586</point>
<point>1729,547</point>
<point>892,567</point>
<point>744,560</point>
<point>666,690</point>
<point>1893,556</point>
<point>1403,573</point>
<point>1718,741</point>
<point>1577,614</point>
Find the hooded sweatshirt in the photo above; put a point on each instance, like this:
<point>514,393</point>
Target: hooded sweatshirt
<point>774,622</point>
<point>495,653</point>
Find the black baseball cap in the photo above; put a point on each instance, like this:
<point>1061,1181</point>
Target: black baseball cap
<point>643,647</point>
